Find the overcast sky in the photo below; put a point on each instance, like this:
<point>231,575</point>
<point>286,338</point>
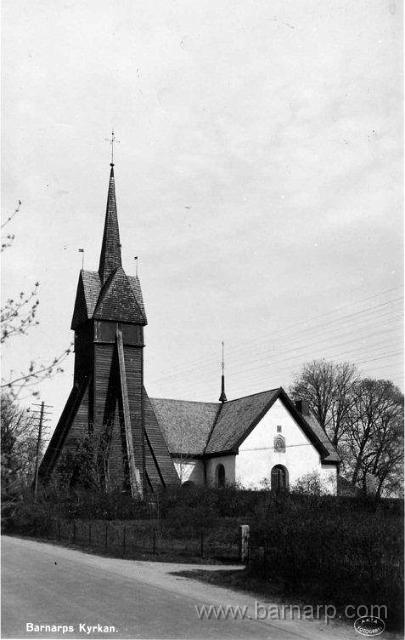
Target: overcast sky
<point>258,179</point>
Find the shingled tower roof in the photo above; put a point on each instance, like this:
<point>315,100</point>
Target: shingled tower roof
<point>110,257</point>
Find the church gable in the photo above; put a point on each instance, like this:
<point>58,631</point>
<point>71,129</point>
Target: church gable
<point>88,291</point>
<point>236,418</point>
<point>80,314</point>
<point>117,301</point>
<point>280,444</point>
<point>137,291</point>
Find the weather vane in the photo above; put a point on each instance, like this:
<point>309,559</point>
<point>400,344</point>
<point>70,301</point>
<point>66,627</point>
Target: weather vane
<point>112,142</point>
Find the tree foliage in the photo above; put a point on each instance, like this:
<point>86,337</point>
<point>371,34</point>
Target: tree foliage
<point>19,444</point>
<point>363,418</point>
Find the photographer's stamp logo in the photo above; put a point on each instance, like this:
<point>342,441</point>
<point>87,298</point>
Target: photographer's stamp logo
<point>369,626</point>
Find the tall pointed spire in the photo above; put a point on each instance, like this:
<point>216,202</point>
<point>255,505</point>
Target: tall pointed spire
<point>110,257</point>
<point>222,397</point>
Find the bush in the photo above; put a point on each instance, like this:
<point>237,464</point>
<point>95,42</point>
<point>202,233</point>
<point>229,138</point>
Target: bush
<point>345,556</point>
<point>28,518</point>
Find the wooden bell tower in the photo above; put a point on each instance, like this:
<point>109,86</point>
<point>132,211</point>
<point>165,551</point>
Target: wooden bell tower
<point>108,398</point>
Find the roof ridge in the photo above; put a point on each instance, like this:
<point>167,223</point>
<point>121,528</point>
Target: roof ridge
<point>219,403</point>
<point>189,401</point>
<point>258,393</point>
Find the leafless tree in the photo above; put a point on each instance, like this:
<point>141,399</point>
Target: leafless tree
<point>18,315</point>
<point>362,417</point>
<point>327,387</point>
<point>374,439</point>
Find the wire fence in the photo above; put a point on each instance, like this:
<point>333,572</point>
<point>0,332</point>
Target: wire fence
<point>132,538</point>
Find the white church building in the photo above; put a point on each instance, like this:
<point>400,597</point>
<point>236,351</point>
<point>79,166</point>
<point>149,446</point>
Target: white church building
<point>264,437</point>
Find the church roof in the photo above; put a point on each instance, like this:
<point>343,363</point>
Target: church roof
<point>88,294</point>
<point>212,428</point>
<point>186,425</point>
<point>317,429</point>
<point>117,301</point>
<point>237,418</point>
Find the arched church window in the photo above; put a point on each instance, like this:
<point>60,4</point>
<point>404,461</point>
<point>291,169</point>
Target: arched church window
<point>279,478</point>
<point>279,444</point>
<point>220,476</point>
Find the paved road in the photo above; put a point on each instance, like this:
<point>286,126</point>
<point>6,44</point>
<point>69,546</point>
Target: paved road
<point>50,585</point>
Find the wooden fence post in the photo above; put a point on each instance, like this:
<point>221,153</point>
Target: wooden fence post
<point>58,529</point>
<point>89,533</point>
<point>74,531</point>
<point>244,543</point>
<point>202,544</point>
<point>124,540</point>
<point>106,537</point>
<point>154,542</point>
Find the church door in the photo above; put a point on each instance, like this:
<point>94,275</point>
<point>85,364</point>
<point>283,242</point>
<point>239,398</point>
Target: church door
<point>279,478</point>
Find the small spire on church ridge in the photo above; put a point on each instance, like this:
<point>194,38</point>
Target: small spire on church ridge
<point>222,397</point>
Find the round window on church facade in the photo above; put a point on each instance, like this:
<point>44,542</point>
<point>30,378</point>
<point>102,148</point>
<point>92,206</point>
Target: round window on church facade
<point>279,444</point>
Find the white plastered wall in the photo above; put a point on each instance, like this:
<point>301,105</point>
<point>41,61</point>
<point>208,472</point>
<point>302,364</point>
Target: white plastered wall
<point>229,466</point>
<point>257,457</point>
<point>189,470</point>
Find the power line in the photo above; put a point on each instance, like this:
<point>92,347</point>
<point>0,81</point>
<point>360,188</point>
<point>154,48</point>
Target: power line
<point>257,378</point>
<point>299,352</point>
<point>198,363</point>
<point>305,348</point>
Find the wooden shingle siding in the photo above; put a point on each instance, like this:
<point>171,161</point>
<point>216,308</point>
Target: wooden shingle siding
<point>133,357</point>
<point>110,256</point>
<point>83,351</point>
<point>152,469</point>
<point>78,401</point>
<point>80,314</point>
<point>155,438</point>
<point>117,301</point>
<point>117,460</point>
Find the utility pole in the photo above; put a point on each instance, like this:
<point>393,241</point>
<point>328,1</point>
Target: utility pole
<point>42,418</point>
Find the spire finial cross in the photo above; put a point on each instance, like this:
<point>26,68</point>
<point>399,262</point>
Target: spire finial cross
<point>112,142</point>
